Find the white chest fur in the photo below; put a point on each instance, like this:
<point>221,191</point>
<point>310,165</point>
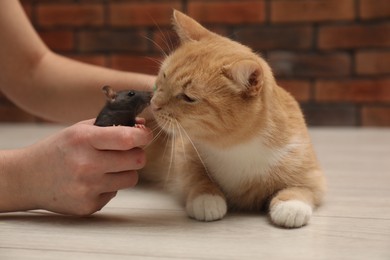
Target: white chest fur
<point>242,163</point>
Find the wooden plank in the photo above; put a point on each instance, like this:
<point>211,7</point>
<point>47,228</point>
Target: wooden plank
<point>145,223</point>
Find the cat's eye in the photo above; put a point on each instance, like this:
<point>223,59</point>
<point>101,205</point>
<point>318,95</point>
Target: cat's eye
<point>186,98</point>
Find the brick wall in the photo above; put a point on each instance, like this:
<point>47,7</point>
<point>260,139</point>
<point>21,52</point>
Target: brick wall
<point>332,55</point>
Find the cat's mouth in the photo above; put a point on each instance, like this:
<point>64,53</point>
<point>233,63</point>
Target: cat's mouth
<point>167,122</point>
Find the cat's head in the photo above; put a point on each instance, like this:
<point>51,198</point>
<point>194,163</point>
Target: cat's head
<point>210,86</point>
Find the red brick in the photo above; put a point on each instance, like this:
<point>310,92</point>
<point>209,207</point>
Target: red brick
<point>58,40</point>
<point>290,64</point>
<point>276,37</point>
<point>376,116</point>
<point>300,89</point>
<point>99,60</point>
<point>142,64</point>
<point>235,12</point>
<point>354,90</point>
<point>373,62</point>
<point>142,14</point>
<point>111,40</point>
<point>312,11</point>
<point>70,14</point>
<point>370,9</point>
<point>167,40</point>
<point>330,114</point>
<point>354,36</point>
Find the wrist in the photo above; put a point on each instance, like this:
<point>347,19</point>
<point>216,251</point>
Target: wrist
<point>15,182</point>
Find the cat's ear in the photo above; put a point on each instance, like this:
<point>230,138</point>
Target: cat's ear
<point>247,74</point>
<point>187,28</point>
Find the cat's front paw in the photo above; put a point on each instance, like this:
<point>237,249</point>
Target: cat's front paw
<point>291,213</point>
<point>207,207</point>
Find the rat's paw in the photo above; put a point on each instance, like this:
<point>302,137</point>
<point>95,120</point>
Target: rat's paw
<point>291,213</point>
<point>207,207</point>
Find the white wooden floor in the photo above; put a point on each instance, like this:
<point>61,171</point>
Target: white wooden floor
<point>146,224</point>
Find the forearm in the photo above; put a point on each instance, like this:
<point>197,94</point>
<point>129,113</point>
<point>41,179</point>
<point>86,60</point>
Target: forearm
<point>70,91</point>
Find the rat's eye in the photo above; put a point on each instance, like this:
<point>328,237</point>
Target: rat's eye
<point>131,93</point>
<point>186,98</point>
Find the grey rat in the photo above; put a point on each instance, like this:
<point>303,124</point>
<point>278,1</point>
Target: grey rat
<point>122,107</point>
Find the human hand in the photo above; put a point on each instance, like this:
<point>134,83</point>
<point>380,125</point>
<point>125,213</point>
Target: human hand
<point>80,169</point>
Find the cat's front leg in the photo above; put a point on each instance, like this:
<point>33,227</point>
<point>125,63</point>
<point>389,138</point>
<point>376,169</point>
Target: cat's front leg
<point>206,207</point>
<point>204,200</point>
<point>292,207</point>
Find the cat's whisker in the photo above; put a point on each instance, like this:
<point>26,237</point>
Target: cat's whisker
<point>161,131</point>
<point>163,37</point>
<point>154,139</point>
<point>159,62</point>
<point>158,46</point>
<point>165,41</point>
<point>197,152</point>
<point>157,127</point>
<point>167,139</point>
<point>171,161</point>
<point>182,140</point>
<point>155,131</point>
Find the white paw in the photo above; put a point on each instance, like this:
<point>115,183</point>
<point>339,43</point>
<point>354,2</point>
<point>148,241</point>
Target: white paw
<point>291,213</point>
<point>207,207</point>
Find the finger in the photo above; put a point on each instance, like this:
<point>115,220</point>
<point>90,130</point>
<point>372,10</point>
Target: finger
<point>104,198</point>
<point>87,122</point>
<point>118,181</point>
<point>118,137</point>
<point>119,161</point>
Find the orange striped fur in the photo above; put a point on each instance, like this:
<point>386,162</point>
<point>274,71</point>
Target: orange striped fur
<point>241,140</point>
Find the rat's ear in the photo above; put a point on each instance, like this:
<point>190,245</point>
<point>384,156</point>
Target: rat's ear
<point>247,74</point>
<point>187,28</point>
<point>110,93</point>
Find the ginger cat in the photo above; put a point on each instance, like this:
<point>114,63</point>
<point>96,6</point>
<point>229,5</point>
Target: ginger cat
<point>241,140</point>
